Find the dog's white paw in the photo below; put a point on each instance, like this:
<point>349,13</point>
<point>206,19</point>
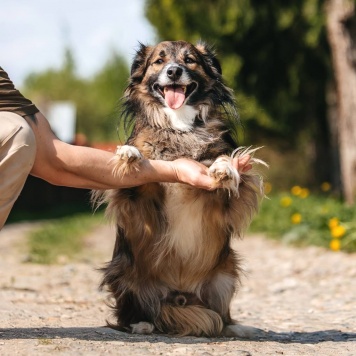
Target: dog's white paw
<point>243,332</point>
<point>225,175</point>
<point>143,327</point>
<point>126,159</point>
<point>128,153</point>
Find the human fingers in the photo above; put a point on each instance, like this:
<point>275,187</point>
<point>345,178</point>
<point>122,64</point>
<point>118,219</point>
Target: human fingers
<point>247,168</point>
<point>193,173</point>
<point>242,163</point>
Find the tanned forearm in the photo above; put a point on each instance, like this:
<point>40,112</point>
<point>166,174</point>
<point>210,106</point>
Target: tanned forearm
<point>83,167</point>
<point>90,168</point>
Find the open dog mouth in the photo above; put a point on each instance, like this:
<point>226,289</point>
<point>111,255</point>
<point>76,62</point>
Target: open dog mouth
<point>175,95</point>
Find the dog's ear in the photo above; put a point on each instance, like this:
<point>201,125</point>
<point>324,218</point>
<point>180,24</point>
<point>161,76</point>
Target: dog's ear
<point>209,56</point>
<point>138,66</point>
<point>213,68</point>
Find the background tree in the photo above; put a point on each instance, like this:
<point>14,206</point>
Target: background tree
<point>276,57</point>
<point>341,21</point>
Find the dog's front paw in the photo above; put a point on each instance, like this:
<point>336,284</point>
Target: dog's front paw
<point>126,159</point>
<point>128,153</point>
<point>225,175</point>
<point>143,327</point>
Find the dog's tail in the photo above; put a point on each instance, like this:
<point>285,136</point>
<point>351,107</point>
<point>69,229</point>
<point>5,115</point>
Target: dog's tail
<point>192,320</point>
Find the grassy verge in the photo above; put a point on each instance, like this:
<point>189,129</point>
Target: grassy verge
<point>299,218</point>
<point>62,237</point>
<point>296,217</point>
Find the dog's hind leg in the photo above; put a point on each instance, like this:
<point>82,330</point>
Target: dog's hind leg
<point>243,332</point>
<point>217,294</point>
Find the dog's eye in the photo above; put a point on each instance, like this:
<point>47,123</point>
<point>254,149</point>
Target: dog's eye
<point>189,60</point>
<point>159,61</point>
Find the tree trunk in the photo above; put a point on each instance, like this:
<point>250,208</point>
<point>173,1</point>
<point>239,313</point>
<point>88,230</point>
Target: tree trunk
<point>341,27</point>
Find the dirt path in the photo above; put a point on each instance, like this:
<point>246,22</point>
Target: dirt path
<point>305,298</point>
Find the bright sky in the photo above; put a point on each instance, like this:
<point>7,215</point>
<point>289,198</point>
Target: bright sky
<point>33,33</point>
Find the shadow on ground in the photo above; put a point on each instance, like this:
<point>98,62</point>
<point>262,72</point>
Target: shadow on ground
<point>107,334</point>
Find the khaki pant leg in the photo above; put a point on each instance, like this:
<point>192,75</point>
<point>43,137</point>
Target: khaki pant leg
<point>17,155</point>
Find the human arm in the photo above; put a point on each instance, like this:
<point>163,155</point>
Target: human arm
<point>83,167</point>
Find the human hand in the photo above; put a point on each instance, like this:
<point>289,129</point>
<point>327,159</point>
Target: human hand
<point>196,174</point>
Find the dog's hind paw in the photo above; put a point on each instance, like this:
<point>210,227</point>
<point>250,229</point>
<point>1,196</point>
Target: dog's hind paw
<point>243,332</point>
<point>143,327</point>
<point>224,174</point>
<point>126,159</point>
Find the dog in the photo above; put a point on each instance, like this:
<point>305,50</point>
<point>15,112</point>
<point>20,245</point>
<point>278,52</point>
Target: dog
<point>173,269</point>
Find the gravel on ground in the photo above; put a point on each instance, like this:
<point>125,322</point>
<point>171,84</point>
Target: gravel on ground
<point>304,297</point>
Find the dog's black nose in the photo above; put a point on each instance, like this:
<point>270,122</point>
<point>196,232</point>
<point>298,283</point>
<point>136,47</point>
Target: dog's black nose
<point>174,72</point>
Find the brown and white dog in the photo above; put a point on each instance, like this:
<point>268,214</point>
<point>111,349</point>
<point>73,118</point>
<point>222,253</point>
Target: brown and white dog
<point>173,269</point>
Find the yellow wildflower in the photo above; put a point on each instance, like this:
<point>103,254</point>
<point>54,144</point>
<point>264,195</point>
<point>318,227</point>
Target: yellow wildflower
<point>325,187</point>
<point>304,193</point>
<point>296,218</point>
<point>338,231</point>
<point>296,190</point>
<point>335,245</point>
<point>333,222</point>
<point>286,201</point>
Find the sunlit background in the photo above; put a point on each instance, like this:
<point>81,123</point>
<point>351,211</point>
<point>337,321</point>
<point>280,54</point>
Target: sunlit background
<point>33,34</point>
<point>72,58</point>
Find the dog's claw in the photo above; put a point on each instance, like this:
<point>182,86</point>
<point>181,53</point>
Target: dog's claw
<point>224,174</point>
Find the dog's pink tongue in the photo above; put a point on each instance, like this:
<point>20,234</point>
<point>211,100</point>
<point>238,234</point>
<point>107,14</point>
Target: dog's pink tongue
<point>174,97</point>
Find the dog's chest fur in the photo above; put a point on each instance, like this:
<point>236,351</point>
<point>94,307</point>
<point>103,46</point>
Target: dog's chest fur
<point>202,142</point>
<point>194,236</point>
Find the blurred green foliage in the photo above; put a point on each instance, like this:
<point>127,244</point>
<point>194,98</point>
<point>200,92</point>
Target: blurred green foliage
<point>97,99</point>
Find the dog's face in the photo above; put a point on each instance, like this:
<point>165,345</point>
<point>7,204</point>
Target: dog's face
<point>180,79</point>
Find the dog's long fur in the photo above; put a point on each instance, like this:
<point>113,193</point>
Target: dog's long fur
<point>173,269</point>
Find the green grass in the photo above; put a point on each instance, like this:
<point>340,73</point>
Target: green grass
<point>55,211</point>
<point>300,218</point>
<point>61,237</point>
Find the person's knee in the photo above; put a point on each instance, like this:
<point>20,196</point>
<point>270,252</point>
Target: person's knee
<point>17,140</point>
<point>17,156</point>
<point>25,145</point>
